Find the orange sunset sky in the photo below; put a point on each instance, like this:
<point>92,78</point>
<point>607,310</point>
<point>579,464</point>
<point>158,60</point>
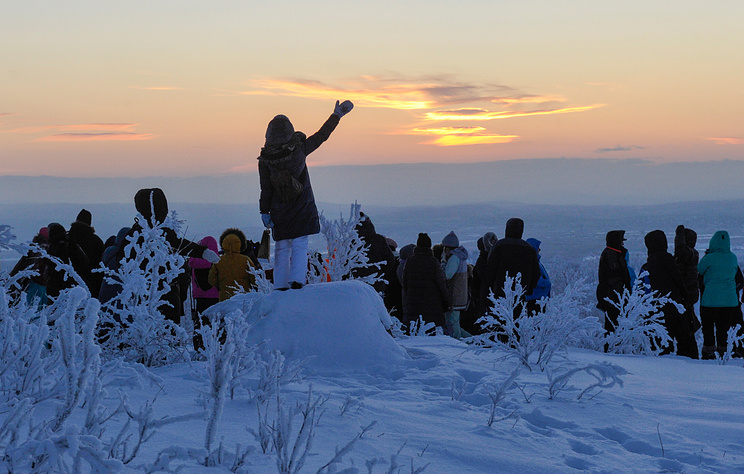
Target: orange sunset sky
<point>185,88</point>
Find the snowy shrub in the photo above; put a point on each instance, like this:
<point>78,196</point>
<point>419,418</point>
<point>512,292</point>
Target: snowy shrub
<point>605,375</point>
<point>6,237</point>
<point>421,328</point>
<point>497,394</point>
<point>640,325</point>
<point>557,323</point>
<point>346,251</point>
<point>136,327</point>
<point>734,341</point>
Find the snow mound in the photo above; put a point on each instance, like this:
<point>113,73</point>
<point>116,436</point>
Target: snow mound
<point>337,326</point>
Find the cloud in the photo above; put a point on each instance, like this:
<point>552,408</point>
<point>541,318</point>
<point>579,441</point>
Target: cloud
<point>89,127</point>
<point>395,93</point>
<point>85,132</point>
<point>727,141</point>
<point>618,148</point>
<point>460,136</point>
<point>483,114</point>
<point>96,137</point>
<point>427,94</point>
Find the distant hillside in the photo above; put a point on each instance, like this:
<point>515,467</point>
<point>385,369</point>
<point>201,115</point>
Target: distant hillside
<point>538,181</point>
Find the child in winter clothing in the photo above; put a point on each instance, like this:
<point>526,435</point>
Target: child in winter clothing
<point>205,295</point>
<point>234,269</point>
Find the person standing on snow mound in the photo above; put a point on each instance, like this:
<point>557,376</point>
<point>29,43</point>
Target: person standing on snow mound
<point>287,203</point>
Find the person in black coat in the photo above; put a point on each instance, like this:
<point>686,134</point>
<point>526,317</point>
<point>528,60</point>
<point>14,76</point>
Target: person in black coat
<point>82,233</point>
<point>665,279</point>
<point>152,204</point>
<point>287,202</point>
<point>424,286</point>
<point>613,277</point>
<point>512,256</point>
<point>377,251</point>
<point>61,247</point>
<point>481,286</point>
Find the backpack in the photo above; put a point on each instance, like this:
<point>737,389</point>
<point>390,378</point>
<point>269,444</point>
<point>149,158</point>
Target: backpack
<point>286,187</point>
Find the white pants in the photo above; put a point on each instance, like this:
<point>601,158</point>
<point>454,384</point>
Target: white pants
<point>290,261</point>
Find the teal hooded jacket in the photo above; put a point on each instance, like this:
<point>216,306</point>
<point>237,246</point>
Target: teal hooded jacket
<point>718,270</point>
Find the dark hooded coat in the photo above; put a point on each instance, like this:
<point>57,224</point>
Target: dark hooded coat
<point>153,205</point>
<point>613,271</point>
<point>512,255</point>
<point>425,291</point>
<point>287,149</point>
<point>663,274</point>
<point>377,250</point>
<point>85,236</point>
<point>68,252</point>
<point>687,258</point>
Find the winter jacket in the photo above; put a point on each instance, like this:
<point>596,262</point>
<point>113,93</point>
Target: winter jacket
<point>718,271</point>
<point>200,286</point>
<point>111,259</point>
<point>687,258</point>
<point>285,148</point>
<point>68,252</point>
<point>512,256</point>
<point>613,270</point>
<point>233,269</point>
<point>377,251</point>
<point>152,204</point>
<point>542,289</point>
<point>85,236</point>
<point>424,287</point>
<point>456,274</point>
<point>663,273</point>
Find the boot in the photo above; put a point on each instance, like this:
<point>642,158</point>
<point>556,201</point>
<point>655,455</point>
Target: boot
<point>709,352</point>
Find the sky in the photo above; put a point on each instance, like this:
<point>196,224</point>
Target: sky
<point>186,88</point>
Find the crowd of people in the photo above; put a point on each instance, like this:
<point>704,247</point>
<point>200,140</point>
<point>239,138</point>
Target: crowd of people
<point>420,282</point>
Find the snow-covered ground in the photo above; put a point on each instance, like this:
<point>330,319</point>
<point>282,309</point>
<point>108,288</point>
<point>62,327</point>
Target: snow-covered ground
<point>425,402</point>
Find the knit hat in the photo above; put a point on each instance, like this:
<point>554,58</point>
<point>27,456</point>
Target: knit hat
<point>406,251</point>
<point>514,228</point>
<point>279,131</point>
<point>44,232</point>
<point>423,241</point>
<point>84,217</point>
<point>451,240</point>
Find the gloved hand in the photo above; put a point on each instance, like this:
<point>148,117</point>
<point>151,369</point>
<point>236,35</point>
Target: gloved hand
<point>267,222</point>
<point>343,108</point>
<point>210,256</point>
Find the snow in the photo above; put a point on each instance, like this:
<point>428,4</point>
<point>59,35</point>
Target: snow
<point>332,327</point>
<point>431,404</point>
<point>413,403</point>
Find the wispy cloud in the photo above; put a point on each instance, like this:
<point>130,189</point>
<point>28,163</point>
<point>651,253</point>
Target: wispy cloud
<point>87,132</point>
<point>618,148</point>
<point>425,96</point>
<point>727,141</point>
<point>87,127</point>
<point>483,114</point>
<point>96,137</point>
<point>459,136</point>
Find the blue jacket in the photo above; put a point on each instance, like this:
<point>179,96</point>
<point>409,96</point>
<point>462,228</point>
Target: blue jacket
<point>543,283</point>
<point>718,271</point>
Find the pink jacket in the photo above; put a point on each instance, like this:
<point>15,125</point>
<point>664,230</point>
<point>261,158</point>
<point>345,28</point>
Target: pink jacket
<point>203,266</point>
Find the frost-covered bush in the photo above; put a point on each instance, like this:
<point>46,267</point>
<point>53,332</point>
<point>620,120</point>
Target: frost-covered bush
<point>6,237</point>
<point>535,338</point>
<point>346,251</point>
<point>55,367</point>
<point>604,375</point>
<point>640,325</point>
<point>134,323</point>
